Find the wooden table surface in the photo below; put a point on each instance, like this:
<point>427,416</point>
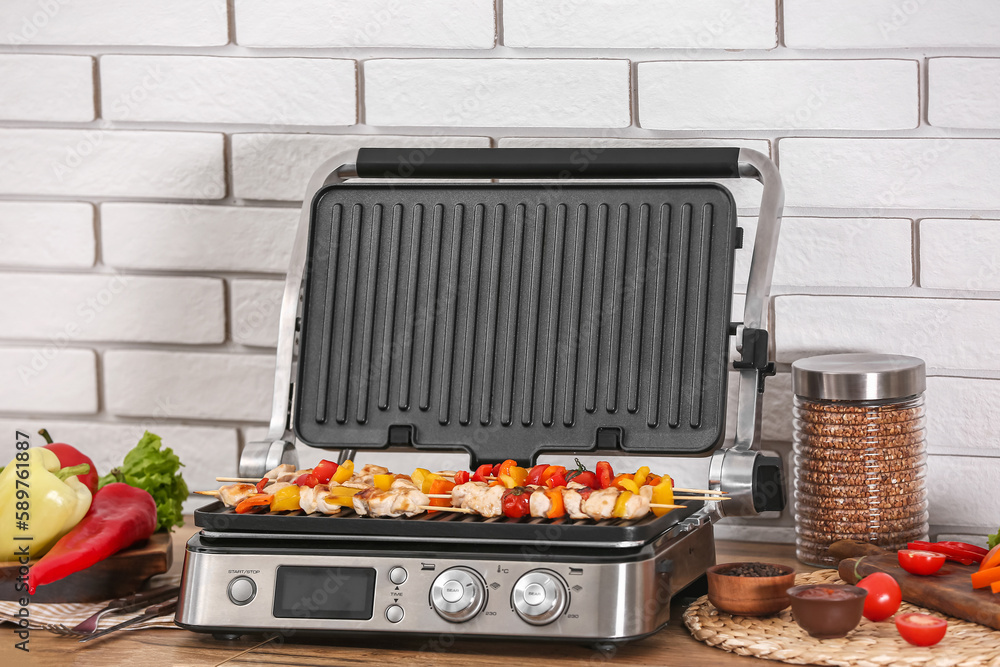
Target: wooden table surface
<point>673,645</point>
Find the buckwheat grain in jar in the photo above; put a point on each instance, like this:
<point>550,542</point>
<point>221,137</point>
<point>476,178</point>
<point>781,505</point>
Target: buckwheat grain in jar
<point>860,459</point>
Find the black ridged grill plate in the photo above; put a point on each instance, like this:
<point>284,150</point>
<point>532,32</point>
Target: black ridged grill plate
<point>512,319</point>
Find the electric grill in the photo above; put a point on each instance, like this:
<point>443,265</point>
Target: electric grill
<point>574,301</point>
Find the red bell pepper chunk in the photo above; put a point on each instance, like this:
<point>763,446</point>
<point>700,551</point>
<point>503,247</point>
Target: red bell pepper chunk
<point>119,516</point>
<point>264,481</point>
<point>254,501</point>
<point>482,472</point>
<point>535,475</point>
<point>325,470</point>
<point>586,478</point>
<point>462,477</point>
<point>951,551</point>
<point>306,479</point>
<point>604,474</point>
<point>556,480</point>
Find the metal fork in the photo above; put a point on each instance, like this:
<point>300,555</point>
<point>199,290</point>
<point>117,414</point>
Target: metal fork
<point>119,606</point>
<point>60,629</point>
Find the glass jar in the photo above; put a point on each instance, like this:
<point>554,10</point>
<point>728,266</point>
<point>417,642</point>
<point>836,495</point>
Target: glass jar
<point>860,456</point>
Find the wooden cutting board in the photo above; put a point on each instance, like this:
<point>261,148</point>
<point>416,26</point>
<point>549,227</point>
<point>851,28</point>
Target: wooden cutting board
<point>114,577</point>
<point>949,591</point>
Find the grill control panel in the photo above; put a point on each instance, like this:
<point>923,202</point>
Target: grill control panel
<point>337,590</point>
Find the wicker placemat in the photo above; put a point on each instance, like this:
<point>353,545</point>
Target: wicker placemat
<point>869,645</point>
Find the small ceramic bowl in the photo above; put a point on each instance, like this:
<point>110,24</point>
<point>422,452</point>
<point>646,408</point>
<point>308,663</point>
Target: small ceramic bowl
<point>749,596</point>
<point>827,611</point>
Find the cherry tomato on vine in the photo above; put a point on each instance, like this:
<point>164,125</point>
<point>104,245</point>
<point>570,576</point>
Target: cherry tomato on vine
<point>921,629</point>
<point>920,562</point>
<point>883,597</point>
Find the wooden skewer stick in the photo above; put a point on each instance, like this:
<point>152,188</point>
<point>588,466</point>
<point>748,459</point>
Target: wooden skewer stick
<point>245,480</point>
<point>208,493</point>
<point>707,492</point>
<point>702,497</point>
<point>435,508</point>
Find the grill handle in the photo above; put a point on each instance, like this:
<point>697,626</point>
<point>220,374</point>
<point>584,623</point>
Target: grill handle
<point>558,163</point>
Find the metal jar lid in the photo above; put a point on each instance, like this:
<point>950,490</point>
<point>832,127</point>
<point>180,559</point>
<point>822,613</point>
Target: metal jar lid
<point>858,377</point>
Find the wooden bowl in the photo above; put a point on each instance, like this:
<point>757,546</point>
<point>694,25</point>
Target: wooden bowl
<point>749,596</point>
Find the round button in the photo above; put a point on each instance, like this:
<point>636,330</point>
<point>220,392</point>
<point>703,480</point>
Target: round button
<point>534,594</point>
<point>242,590</point>
<point>394,613</point>
<point>397,575</point>
<point>458,594</point>
<point>540,597</point>
<point>452,591</point>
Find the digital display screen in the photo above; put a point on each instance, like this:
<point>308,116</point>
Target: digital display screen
<point>324,592</point>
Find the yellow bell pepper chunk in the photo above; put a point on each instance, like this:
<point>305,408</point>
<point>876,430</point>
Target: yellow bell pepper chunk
<point>628,485</point>
<point>507,481</point>
<point>37,503</point>
<point>344,472</point>
<point>418,477</point>
<point>519,475</point>
<point>384,482</point>
<point>286,499</point>
<point>663,494</point>
<point>619,510</point>
<point>428,481</point>
<point>640,475</point>
<point>341,495</point>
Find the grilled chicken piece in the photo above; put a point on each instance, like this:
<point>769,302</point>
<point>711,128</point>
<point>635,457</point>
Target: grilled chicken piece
<point>283,469</point>
<point>539,504</point>
<point>275,486</point>
<point>480,498</point>
<point>573,501</point>
<point>600,504</point>
<point>314,500</point>
<point>637,506</point>
<point>646,492</point>
<point>232,494</point>
<point>399,501</point>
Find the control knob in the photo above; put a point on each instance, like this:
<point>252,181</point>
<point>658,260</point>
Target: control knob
<point>540,597</point>
<point>458,594</point>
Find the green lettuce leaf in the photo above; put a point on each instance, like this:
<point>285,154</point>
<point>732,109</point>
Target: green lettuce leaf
<point>156,470</point>
<point>994,539</point>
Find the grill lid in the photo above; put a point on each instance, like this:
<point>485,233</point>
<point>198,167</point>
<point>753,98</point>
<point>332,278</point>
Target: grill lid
<point>510,319</point>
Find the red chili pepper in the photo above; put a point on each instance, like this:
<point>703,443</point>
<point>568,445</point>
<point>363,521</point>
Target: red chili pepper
<point>535,475</point>
<point>120,515</point>
<point>515,502</point>
<point>462,477</point>
<point>70,456</point>
<point>264,481</point>
<point>604,474</point>
<point>323,471</point>
<point>482,472</point>
<point>951,551</point>
<point>306,479</point>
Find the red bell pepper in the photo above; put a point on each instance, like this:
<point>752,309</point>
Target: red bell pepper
<point>324,471</point>
<point>256,501</point>
<point>70,456</point>
<point>586,478</point>
<point>462,477</point>
<point>555,480</point>
<point>604,474</point>
<point>956,551</point>
<point>482,472</point>
<point>120,515</point>
<point>535,475</point>
<point>264,481</point>
<point>306,479</point>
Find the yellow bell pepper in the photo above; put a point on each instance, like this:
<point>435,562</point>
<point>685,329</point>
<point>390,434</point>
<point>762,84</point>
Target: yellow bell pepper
<point>341,495</point>
<point>286,499</point>
<point>418,477</point>
<point>663,494</point>
<point>619,510</point>
<point>384,482</point>
<point>39,502</point>
<point>640,475</point>
<point>344,472</point>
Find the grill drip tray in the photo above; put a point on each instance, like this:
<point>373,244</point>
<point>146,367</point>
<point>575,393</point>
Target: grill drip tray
<point>440,526</point>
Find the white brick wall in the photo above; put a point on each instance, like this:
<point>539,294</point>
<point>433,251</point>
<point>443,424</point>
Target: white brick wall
<point>595,24</point>
<point>880,24</point>
<point>815,94</point>
<point>114,22</point>
<point>153,155</point>
<point>46,88</point>
<point>446,24</point>
<point>47,234</point>
<point>497,93</point>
